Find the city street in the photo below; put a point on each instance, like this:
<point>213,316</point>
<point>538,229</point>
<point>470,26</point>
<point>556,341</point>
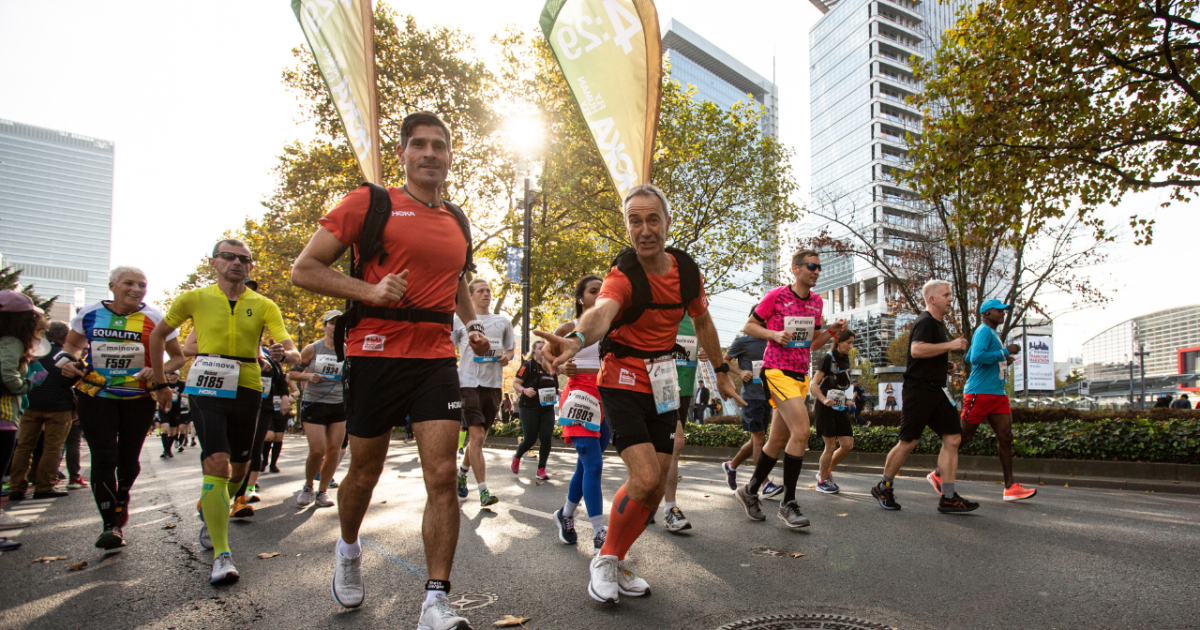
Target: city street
<point>1069,558</point>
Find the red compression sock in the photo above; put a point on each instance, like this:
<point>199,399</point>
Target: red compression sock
<point>626,522</point>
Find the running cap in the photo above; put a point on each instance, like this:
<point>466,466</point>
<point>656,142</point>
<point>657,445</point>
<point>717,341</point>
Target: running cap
<point>332,313</point>
<point>15,302</point>
<point>992,303</point>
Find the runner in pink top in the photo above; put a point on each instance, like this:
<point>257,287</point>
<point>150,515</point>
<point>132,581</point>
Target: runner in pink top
<point>789,318</point>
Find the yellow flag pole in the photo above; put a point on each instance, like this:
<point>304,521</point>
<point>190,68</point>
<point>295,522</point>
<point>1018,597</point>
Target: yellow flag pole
<point>368,23</point>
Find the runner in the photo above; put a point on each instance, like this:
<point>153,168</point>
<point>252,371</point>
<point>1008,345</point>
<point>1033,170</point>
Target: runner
<point>321,412</point>
<point>175,415</point>
<point>583,424</point>
<point>789,318</point>
<point>224,382</point>
<point>645,295</point>
<point>275,389</point>
<point>831,389</point>
<point>481,378</point>
<point>539,391</point>
<point>400,358</point>
<point>685,370</point>
<point>745,357</point>
<point>985,396</point>
<point>926,401</point>
<point>117,406</point>
<point>278,412</point>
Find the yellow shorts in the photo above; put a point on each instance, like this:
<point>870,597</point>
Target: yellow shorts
<point>785,387</point>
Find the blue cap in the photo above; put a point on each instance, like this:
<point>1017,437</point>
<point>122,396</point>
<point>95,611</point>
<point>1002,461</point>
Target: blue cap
<point>992,303</point>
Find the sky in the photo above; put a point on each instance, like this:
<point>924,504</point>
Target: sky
<point>192,96</point>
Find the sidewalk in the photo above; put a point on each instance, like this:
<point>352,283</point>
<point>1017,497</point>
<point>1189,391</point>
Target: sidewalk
<point>1134,476</point>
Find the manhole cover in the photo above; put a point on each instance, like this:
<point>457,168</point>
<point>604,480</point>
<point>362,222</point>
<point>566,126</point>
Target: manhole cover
<point>783,622</point>
<point>471,601</point>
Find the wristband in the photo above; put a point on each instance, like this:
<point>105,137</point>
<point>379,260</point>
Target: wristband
<point>578,335</point>
<point>724,368</point>
<point>475,326</point>
<point>159,386</point>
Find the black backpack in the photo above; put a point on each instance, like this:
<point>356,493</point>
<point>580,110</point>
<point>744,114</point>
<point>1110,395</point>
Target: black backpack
<point>370,245</point>
<point>643,300</point>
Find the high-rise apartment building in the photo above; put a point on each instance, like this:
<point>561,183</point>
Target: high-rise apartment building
<point>56,191</point>
<point>723,80</point>
<point>860,77</point>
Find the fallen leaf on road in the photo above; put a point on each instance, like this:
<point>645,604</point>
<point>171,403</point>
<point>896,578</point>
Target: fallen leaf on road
<point>846,514</point>
<point>706,496</point>
<point>169,526</point>
<point>1041,483</point>
<point>77,566</point>
<point>510,620</point>
<point>812,486</point>
<point>554,473</point>
<point>48,559</point>
<point>1174,482</point>
<point>383,501</point>
<point>1066,485</point>
<point>539,482</point>
<point>797,555</point>
<point>680,480</point>
<point>264,556</point>
<point>1071,475</point>
<point>997,482</point>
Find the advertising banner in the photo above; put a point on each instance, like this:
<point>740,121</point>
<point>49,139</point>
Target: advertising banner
<point>341,35</point>
<point>610,52</point>
<point>889,397</point>
<point>1040,357</point>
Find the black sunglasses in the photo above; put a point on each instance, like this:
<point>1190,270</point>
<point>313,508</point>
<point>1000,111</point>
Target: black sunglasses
<point>813,266</point>
<point>230,256</point>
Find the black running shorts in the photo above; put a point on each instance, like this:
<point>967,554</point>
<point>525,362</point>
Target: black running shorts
<point>926,406</point>
<point>227,425</point>
<point>480,406</point>
<point>321,413</point>
<point>634,420</point>
<point>381,392</point>
<point>832,423</point>
<point>278,423</point>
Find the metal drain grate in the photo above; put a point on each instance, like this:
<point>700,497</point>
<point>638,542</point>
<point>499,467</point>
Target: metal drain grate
<point>787,622</point>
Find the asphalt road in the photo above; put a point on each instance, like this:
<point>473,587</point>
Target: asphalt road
<point>1069,558</point>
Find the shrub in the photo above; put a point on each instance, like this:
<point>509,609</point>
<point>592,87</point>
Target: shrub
<point>1022,415</point>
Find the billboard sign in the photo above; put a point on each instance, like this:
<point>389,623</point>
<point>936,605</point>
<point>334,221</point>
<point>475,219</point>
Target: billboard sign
<point>1040,357</point>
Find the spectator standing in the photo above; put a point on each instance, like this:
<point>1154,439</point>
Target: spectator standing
<point>51,410</point>
<point>860,401</point>
<point>20,326</point>
<point>1181,403</point>
<point>703,396</point>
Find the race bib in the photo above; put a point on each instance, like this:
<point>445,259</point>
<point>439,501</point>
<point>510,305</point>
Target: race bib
<point>580,408</point>
<point>802,330</point>
<point>493,353</point>
<point>266,385</point>
<point>183,404</point>
<point>946,391</point>
<point>664,380</point>
<point>1003,371</point>
<point>756,370</point>
<point>547,396</point>
<point>328,366</point>
<point>278,400</point>
<point>117,358</point>
<point>837,399</point>
<point>213,376</point>
<point>688,343</point>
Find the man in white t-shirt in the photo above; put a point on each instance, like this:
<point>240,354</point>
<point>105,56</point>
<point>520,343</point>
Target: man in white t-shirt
<point>480,379</point>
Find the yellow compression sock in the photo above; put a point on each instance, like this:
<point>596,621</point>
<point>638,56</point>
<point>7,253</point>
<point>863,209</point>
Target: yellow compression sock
<point>214,499</point>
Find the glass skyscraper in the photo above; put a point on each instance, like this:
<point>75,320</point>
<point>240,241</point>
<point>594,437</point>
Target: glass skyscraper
<point>56,191</point>
<point>860,76</point>
<point>723,80</point>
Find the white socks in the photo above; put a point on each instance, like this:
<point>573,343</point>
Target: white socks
<point>569,509</point>
<point>349,551</point>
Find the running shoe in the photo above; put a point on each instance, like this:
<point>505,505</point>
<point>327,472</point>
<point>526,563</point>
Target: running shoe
<point>516,464</point>
<point>630,584</point>
<point>830,481</point>
<point>112,538</point>
<point>825,486</point>
<point>274,468</point>
<point>935,480</point>
<point>566,528</point>
<point>752,504</point>
<point>1018,493</point>
<point>598,540</point>
<point>241,509</point>
<point>8,545</point>
<point>541,474</point>
<point>223,570</point>
<point>205,539</point>
<point>347,585</point>
<point>322,499</point>
<point>486,498</point>
<point>730,475</point>
<point>333,484</point>
<point>8,521</point>
<point>603,586</point>
<point>16,496</point>
<point>771,490</point>
<point>675,521</point>
<point>193,441</point>
<point>305,498</point>
<point>885,496</point>
<point>165,454</point>
<point>252,496</point>
<point>50,494</point>
<point>440,615</point>
<point>956,505</point>
<point>790,513</point>
<point>178,449</point>
<point>462,486</point>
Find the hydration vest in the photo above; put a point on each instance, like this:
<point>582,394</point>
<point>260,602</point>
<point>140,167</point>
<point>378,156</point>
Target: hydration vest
<point>642,300</point>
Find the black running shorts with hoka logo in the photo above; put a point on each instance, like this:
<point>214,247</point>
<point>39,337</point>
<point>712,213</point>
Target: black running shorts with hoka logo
<point>380,392</point>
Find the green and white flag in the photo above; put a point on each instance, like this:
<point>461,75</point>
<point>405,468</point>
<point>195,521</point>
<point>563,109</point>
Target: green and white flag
<point>341,35</point>
<point>610,52</point>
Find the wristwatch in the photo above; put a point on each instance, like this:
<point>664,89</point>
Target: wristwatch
<point>158,386</point>
<point>578,335</point>
<point>723,368</point>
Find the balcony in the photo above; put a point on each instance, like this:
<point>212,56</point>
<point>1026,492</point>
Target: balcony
<point>894,56</point>
<point>910,10</point>
<point>900,41</point>
<point>909,26</point>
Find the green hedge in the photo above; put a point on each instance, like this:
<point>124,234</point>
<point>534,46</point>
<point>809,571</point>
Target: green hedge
<point>1057,414</point>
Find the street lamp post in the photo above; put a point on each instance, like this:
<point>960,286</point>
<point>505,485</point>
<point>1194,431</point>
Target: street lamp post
<point>1025,360</point>
<point>1141,354</point>
<point>526,271</point>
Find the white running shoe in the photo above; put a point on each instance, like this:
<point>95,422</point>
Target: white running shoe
<point>603,586</point>
<point>347,585</point>
<point>323,500</point>
<point>8,521</point>
<point>305,498</point>
<point>205,539</point>
<point>440,615</point>
<point>630,584</point>
<point>223,570</point>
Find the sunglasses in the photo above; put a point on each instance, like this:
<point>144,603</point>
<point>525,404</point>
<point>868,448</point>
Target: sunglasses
<point>813,266</point>
<point>230,256</point>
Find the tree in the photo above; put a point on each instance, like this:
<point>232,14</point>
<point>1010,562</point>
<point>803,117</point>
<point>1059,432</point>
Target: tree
<point>10,280</point>
<point>867,379</point>
<point>1097,99</point>
<point>897,350</point>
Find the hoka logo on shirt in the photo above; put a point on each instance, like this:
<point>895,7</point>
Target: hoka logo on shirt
<point>403,213</point>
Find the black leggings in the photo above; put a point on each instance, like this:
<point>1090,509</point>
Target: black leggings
<point>115,431</point>
<point>537,424</point>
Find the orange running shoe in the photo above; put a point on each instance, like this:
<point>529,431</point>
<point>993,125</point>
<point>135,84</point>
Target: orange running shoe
<point>241,509</point>
<point>935,480</point>
<point>1017,493</point>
